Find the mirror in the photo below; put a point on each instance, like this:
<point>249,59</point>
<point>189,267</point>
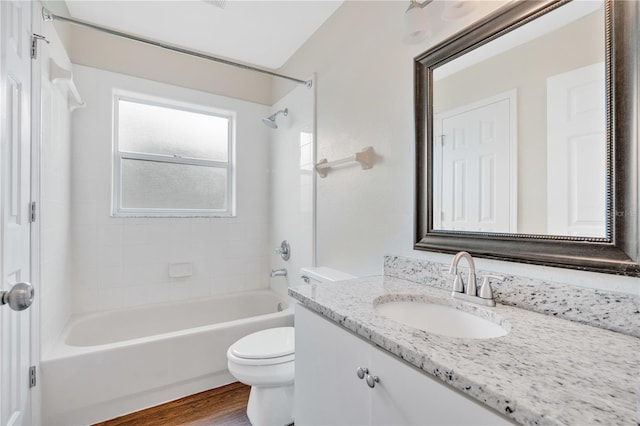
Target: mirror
<point>526,148</point>
<point>540,165</point>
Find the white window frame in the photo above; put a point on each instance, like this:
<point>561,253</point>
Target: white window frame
<point>119,155</point>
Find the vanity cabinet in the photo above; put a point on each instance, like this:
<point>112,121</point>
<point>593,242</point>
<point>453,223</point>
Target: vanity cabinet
<point>329,392</point>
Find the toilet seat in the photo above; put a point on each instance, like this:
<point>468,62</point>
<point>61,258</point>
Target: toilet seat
<point>260,361</point>
<point>265,347</point>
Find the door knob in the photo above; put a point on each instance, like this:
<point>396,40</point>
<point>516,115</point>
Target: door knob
<point>19,297</point>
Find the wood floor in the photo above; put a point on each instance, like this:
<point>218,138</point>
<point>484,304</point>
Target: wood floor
<point>226,406</point>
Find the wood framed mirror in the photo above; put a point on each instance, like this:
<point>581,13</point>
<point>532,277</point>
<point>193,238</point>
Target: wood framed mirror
<point>537,195</point>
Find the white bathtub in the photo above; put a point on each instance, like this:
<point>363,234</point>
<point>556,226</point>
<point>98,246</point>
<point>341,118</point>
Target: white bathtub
<point>112,363</point>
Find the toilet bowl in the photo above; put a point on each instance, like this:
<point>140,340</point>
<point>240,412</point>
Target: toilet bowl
<point>265,360</point>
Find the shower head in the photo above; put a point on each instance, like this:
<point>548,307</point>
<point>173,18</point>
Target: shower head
<point>271,120</point>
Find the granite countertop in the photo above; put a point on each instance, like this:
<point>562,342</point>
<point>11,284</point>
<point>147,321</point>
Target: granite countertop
<point>546,370</point>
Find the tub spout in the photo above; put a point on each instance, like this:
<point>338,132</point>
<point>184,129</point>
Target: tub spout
<point>278,272</point>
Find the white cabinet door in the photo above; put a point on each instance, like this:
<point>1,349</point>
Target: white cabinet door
<point>327,389</point>
<point>406,396</point>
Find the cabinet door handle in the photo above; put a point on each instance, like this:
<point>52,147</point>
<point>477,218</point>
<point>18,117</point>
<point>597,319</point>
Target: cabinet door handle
<point>361,372</point>
<point>372,380</point>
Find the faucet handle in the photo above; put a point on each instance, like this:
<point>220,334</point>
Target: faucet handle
<point>284,250</point>
<point>458,283</point>
<point>486,292</point>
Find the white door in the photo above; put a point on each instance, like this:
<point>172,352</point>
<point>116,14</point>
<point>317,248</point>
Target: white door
<point>15,226</point>
<point>475,166</point>
<point>576,152</point>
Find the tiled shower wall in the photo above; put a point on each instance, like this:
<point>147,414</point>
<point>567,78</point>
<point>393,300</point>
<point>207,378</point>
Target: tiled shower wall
<point>292,186</point>
<point>119,262</point>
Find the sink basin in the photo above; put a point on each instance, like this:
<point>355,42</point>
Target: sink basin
<point>440,319</point>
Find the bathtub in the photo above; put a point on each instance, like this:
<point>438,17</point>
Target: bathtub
<point>112,363</point>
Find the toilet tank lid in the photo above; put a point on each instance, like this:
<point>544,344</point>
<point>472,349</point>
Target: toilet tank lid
<point>322,273</point>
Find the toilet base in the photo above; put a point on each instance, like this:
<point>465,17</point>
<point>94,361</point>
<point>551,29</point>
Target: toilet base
<point>270,406</point>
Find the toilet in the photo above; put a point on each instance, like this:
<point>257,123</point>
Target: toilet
<point>265,361</point>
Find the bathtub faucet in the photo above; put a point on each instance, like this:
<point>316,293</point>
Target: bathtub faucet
<point>278,272</point>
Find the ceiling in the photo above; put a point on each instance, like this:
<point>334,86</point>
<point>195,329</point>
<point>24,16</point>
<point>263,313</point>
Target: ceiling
<point>264,33</point>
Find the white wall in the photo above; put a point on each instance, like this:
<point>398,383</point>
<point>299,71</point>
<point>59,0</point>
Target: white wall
<point>365,97</point>
<point>104,51</point>
<point>125,261</point>
<point>55,197</point>
<point>292,186</point>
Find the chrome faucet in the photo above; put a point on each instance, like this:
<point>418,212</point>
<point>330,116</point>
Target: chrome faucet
<point>278,272</point>
<point>458,283</point>
<point>470,292</point>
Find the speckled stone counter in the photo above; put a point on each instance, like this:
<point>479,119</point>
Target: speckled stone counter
<point>546,370</point>
<point>605,309</point>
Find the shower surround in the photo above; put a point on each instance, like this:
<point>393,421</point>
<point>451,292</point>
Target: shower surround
<point>120,262</point>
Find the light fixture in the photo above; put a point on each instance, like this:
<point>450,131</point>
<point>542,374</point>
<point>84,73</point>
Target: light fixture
<point>415,22</point>
<point>416,29</point>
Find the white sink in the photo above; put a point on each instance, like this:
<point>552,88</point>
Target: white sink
<point>439,319</point>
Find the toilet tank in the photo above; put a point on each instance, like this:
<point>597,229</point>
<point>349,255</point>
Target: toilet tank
<point>322,274</point>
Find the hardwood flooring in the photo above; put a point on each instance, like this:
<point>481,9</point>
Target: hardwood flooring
<point>226,406</point>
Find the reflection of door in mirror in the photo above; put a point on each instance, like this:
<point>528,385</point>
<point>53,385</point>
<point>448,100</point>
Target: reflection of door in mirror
<point>475,166</point>
<point>526,59</point>
<point>576,148</point>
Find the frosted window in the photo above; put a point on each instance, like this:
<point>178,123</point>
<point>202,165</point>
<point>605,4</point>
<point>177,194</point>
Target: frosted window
<point>172,160</point>
<point>168,131</point>
<point>154,185</point>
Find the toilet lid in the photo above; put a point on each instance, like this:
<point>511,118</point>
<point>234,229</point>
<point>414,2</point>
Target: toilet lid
<point>270,343</point>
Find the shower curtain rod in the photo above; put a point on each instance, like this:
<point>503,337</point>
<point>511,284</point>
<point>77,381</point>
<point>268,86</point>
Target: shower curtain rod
<point>49,16</point>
